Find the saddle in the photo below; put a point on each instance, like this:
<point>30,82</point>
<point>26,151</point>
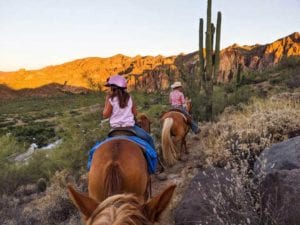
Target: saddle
<point>121,131</point>
<point>188,117</point>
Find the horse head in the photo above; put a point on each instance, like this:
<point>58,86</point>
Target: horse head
<point>188,105</point>
<point>144,121</point>
<point>122,208</point>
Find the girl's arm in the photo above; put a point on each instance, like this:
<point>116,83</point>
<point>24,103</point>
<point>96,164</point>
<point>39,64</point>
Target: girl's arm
<point>107,111</point>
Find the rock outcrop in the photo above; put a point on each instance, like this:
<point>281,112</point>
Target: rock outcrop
<point>257,57</point>
<point>278,170</point>
<point>215,196</point>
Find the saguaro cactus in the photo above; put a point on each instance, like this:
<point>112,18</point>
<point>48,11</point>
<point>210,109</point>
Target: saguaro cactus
<point>209,65</point>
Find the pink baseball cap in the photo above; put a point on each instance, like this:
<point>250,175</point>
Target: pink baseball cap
<point>116,80</point>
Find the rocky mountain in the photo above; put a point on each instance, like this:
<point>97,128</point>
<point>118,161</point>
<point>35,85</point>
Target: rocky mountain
<point>88,72</point>
<point>151,72</point>
<point>257,57</point>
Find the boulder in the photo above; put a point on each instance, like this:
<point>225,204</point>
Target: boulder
<point>278,172</point>
<point>280,195</point>
<point>215,196</point>
<point>281,156</point>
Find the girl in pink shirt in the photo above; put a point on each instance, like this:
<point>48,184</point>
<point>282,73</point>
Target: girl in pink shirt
<point>177,101</point>
<point>121,110</point>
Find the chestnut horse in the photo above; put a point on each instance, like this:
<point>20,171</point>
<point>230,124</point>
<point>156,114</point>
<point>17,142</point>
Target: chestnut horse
<point>121,209</point>
<point>174,131</point>
<point>119,166</point>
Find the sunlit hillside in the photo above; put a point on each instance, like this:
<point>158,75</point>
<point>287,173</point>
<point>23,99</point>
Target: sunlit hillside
<point>148,72</point>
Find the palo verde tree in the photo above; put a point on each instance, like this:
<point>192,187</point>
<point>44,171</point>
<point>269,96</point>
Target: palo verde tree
<point>209,62</point>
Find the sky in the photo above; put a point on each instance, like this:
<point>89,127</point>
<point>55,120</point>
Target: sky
<point>38,33</point>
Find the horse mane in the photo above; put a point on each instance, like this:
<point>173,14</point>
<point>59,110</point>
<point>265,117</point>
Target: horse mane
<point>121,209</point>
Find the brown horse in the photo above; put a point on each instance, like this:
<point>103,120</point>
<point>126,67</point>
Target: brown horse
<point>121,209</point>
<point>174,131</point>
<point>119,166</point>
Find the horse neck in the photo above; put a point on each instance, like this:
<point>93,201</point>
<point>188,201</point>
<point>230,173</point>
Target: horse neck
<point>146,126</point>
<point>145,123</point>
<point>188,108</point>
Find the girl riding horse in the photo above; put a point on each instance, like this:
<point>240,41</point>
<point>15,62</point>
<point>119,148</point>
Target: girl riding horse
<point>178,101</point>
<point>121,110</point>
<point>118,165</point>
<point>176,124</point>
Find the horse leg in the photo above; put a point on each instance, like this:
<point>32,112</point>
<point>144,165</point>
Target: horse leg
<point>184,147</point>
<point>177,141</point>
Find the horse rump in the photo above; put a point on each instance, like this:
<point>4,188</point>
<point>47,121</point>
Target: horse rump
<point>113,180</point>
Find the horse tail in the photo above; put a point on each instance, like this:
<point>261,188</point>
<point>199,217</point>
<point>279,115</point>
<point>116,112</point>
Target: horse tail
<point>113,179</point>
<point>168,147</point>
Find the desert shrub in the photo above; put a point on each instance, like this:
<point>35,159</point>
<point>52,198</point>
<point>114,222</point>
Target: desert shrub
<point>253,127</point>
<point>230,87</point>
<point>7,124</point>
<point>50,104</point>
<point>145,100</point>
<point>9,146</point>
<point>277,80</point>
<point>235,141</point>
<point>40,133</point>
<point>41,185</point>
<point>74,113</point>
<point>54,207</point>
<point>220,100</point>
<point>198,107</point>
<point>293,80</point>
<point>241,95</point>
<point>79,134</point>
<point>289,62</point>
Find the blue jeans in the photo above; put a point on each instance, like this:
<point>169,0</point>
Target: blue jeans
<point>141,133</point>
<point>193,125</point>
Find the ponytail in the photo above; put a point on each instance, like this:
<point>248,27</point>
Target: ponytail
<point>122,96</point>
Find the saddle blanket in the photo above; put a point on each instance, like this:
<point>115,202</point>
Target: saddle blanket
<point>149,153</point>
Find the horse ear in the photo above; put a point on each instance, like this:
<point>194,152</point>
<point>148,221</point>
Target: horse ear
<point>83,202</point>
<point>155,206</point>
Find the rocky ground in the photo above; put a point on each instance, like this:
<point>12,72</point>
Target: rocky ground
<point>180,174</point>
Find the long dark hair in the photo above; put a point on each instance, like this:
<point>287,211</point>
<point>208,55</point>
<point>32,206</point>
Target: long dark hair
<point>121,94</point>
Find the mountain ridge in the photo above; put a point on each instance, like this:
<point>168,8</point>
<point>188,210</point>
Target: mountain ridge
<point>154,71</point>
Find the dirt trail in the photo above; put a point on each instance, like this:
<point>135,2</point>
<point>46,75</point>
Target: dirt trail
<point>181,174</point>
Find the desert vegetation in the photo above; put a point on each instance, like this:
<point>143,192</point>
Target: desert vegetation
<point>248,117</point>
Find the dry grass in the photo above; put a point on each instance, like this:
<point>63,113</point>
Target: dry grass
<point>235,141</point>
<point>251,128</point>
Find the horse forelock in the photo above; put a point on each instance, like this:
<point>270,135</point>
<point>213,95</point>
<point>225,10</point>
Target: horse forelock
<point>122,209</point>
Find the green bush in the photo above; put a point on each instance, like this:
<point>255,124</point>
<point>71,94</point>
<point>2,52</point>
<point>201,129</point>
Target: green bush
<point>9,146</point>
<point>289,62</point>
<point>39,133</point>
